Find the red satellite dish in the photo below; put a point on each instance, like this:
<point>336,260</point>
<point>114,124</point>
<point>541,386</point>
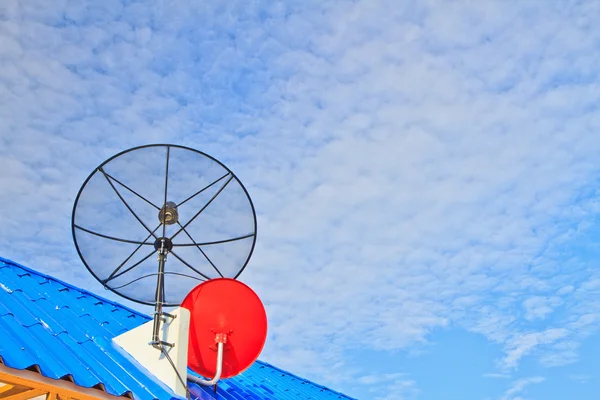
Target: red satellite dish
<point>228,311</point>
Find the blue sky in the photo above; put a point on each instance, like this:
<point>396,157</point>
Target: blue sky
<point>425,174</point>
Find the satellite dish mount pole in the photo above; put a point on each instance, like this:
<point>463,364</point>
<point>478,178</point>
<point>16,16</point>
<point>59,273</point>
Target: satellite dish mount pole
<point>162,246</point>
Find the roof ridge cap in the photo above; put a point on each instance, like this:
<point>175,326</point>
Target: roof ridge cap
<point>71,286</point>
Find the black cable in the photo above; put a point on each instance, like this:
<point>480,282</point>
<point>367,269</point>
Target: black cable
<point>184,383</point>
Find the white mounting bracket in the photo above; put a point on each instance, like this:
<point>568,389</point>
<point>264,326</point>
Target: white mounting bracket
<point>173,331</point>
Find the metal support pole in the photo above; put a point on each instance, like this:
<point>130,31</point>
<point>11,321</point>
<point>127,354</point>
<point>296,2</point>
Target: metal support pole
<point>220,340</point>
<point>160,285</point>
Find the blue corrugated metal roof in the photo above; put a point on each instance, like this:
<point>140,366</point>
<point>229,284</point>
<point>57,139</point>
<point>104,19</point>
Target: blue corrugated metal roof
<point>64,332</point>
<point>263,381</point>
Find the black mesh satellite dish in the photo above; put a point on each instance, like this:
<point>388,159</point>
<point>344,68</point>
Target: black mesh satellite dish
<point>160,201</point>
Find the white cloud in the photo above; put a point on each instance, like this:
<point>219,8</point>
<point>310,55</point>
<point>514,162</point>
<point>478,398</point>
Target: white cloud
<point>539,307</point>
<point>519,386</point>
<point>399,389</point>
<point>379,378</point>
<point>521,345</point>
<point>580,378</point>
